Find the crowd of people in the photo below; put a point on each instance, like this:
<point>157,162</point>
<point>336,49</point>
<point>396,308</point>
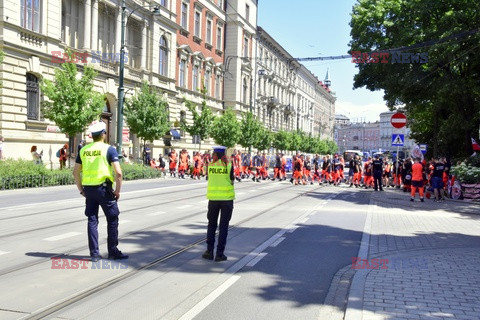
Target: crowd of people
<point>375,173</point>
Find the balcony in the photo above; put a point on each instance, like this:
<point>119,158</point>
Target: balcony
<point>272,102</point>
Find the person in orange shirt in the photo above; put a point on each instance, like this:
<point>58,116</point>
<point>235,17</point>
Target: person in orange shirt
<point>183,166</point>
<point>283,174</point>
<point>264,169</point>
<point>197,165</point>
<point>172,157</point>
<point>237,165</point>
<point>206,161</point>
<point>417,180</point>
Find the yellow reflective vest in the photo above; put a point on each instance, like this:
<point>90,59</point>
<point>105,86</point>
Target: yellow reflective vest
<point>95,167</point>
<point>220,186</point>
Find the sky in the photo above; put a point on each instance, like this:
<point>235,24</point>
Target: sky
<point>319,28</point>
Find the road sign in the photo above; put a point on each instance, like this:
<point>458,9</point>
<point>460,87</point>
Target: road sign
<point>423,148</point>
<point>398,120</point>
<point>398,140</point>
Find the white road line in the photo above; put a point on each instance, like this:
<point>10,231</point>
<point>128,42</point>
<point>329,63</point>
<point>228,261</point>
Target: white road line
<point>276,243</point>
<point>156,213</point>
<point>83,200</point>
<point>254,261</point>
<point>185,206</point>
<point>292,229</point>
<point>63,236</point>
<point>199,307</point>
<point>3,252</point>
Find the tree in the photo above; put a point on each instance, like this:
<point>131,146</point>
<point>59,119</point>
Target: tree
<point>250,129</point>
<point>295,140</point>
<point>281,141</point>
<point>202,123</point>
<point>264,140</point>
<point>72,102</point>
<point>146,114</point>
<point>226,129</point>
<point>441,95</point>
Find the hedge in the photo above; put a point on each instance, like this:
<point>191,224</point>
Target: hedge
<point>18,174</point>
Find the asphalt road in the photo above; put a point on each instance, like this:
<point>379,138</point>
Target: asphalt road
<point>285,245</point>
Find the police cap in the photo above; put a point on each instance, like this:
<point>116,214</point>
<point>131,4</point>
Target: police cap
<point>98,128</point>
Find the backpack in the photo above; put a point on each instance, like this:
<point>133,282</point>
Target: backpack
<point>58,153</point>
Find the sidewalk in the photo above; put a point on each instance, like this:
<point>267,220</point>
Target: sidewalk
<point>428,256</point>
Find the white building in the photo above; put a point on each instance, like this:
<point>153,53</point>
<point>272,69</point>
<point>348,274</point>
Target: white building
<point>387,131</point>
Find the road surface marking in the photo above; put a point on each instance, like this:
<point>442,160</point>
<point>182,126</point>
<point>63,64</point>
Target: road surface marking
<point>276,243</point>
<point>185,206</point>
<point>255,260</point>
<point>63,236</point>
<point>4,252</point>
<point>199,307</point>
<point>156,213</point>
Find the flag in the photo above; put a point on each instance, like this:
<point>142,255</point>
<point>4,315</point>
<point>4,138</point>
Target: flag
<point>475,145</point>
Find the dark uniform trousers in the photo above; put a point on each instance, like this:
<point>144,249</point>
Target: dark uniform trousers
<point>377,179</point>
<point>214,209</point>
<point>102,196</point>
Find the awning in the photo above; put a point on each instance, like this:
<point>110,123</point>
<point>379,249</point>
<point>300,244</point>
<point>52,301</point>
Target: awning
<point>175,134</point>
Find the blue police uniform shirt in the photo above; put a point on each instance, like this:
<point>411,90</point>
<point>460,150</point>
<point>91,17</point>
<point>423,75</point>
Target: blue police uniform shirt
<point>112,156</point>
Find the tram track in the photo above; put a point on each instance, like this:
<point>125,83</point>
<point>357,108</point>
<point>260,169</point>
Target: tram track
<point>127,234</point>
<point>64,303</point>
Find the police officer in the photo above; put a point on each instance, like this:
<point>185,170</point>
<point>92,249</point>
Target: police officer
<point>220,193</point>
<point>377,166</point>
<point>95,163</point>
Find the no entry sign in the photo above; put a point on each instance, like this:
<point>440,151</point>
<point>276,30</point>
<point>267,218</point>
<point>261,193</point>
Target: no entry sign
<point>398,120</point>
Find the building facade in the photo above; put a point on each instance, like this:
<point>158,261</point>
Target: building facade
<point>184,48</point>
<point>364,136</point>
<point>387,131</point>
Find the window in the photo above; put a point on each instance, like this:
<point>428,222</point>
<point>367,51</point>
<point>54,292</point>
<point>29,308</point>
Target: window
<point>245,47</point>
<point>217,88</point>
<point>197,24</point>
<point>209,31</point>
<point>247,12</point>
<point>163,57</point>
<point>30,14</point>
<point>164,3</point>
<point>181,75</point>
<point>195,78</point>
<point>219,38</point>
<point>184,16</point>
<point>220,4</point>
<point>33,97</point>
<point>207,82</point>
<point>245,89</point>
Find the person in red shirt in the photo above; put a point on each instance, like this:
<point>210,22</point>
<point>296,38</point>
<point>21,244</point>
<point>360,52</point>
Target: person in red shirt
<point>172,157</point>
<point>417,180</point>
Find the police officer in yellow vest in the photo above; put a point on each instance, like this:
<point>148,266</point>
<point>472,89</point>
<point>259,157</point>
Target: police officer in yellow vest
<point>220,193</point>
<point>94,178</point>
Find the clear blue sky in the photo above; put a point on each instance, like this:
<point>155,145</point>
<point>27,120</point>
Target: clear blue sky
<point>317,28</point>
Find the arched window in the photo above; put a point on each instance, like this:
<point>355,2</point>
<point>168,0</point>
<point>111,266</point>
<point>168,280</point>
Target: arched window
<point>33,97</point>
<point>163,57</point>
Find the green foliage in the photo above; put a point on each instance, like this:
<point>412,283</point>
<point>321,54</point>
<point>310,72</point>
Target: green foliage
<point>72,103</point>
<point>281,141</point>
<point>251,130</point>
<point>138,171</point>
<point>18,174</point>
<point>441,97</point>
<point>226,129</point>
<point>147,114</point>
<point>202,123</point>
<point>468,171</point>
<point>294,141</point>
<point>264,139</point>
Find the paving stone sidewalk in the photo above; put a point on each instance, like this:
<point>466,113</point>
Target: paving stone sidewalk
<point>431,259</point>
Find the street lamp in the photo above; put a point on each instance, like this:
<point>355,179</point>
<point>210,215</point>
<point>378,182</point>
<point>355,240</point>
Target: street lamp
<point>121,89</point>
